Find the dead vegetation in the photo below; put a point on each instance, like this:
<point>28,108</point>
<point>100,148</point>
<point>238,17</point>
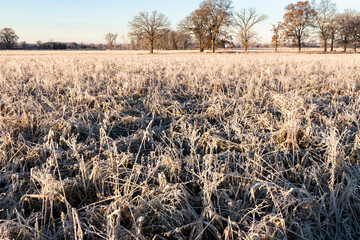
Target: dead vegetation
<point>233,146</point>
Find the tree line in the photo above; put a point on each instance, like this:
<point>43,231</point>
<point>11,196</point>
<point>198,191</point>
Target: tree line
<point>303,18</point>
<point>215,24</point>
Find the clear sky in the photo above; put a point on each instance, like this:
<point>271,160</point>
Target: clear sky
<point>89,20</point>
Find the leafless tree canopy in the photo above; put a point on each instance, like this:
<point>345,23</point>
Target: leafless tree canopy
<point>245,20</point>
<point>276,29</point>
<point>298,19</point>
<point>355,30</point>
<point>346,24</point>
<point>148,26</point>
<point>334,30</point>
<point>218,14</point>
<point>172,40</point>
<point>110,39</point>
<point>208,22</point>
<point>325,14</point>
<point>196,24</point>
<point>8,38</point>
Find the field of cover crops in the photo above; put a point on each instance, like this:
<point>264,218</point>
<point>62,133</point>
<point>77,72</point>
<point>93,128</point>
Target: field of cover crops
<point>106,145</point>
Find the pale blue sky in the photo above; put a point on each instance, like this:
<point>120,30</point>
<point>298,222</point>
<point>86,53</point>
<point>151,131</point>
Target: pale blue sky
<point>89,20</point>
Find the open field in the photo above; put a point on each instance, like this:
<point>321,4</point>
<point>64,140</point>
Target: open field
<point>106,145</point>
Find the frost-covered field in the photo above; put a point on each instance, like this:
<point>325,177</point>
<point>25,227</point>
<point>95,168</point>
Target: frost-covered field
<point>106,145</point>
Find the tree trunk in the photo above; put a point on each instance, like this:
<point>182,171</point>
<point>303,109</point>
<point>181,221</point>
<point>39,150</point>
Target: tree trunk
<point>299,43</point>
<point>345,47</point>
<point>276,45</point>
<point>213,45</point>
<point>245,46</point>
<point>325,45</point>
<point>332,43</point>
<point>151,46</point>
<point>201,45</point>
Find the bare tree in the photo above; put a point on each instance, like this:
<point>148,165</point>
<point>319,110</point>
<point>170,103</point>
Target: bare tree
<point>110,39</point>
<point>297,19</point>
<point>148,26</point>
<point>179,39</point>
<point>325,12</point>
<point>163,41</point>
<point>276,28</point>
<point>218,14</point>
<point>23,44</point>
<point>196,24</point>
<point>8,38</point>
<point>175,38</point>
<point>245,20</point>
<point>38,43</point>
<point>355,31</point>
<point>334,29</point>
<point>345,28</point>
<point>172,40</point>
